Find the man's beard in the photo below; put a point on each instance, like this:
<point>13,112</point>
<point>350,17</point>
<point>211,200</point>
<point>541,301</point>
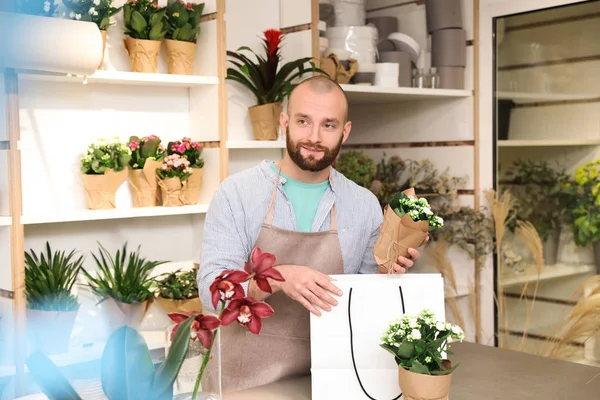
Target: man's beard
<point>310,163</point>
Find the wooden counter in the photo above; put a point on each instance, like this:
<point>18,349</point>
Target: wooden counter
<point>484,373</point>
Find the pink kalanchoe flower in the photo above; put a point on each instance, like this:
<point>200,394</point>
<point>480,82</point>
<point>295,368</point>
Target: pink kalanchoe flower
<point>134,145</point>
<point>228,286</point>
<point>262,268</point>
<point>202,328</point>
<point>246,312</point>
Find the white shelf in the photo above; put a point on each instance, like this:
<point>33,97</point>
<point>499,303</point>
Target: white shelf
<point>525,97</point>
<point>125,78</point>
<point>93,215</point>
<point>363,94</point>
<point>5,221</point>
<point>555,271</point>
<point>548,143</point>
<point>256,144</point>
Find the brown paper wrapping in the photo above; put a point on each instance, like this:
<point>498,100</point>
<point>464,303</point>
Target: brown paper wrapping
<point>103,33</point>
<point>144,184</point>
<point>181,306</point>
<point>265,120</point>
<point>100,190</point>
<point>51,330</point>
<point>397,236</point>
<point>336,70</point>
<point>172,192</point>
<point>120,314</point>
<point>193,185</point>
<point>143,54</point>
<point>180,56</point>
<point>423,387</point>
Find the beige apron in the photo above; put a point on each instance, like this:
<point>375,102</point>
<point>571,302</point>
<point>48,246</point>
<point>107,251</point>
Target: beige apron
<point>282,349</point>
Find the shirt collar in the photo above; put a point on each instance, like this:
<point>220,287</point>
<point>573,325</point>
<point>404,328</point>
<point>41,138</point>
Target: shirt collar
<point>264,165</point>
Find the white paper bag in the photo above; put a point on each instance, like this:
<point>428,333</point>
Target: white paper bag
<point>347,361</point>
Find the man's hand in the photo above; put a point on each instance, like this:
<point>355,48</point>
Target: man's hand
<point>402,264</point>
<point>308,287</point>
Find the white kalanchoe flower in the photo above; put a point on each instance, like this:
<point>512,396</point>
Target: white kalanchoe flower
<point>96,2</point>
<point>428,359</point>
<point>71,14</point>
<point>415,335</point>
<point>77,17</point>
<point>427,211</point>
<point>440,326</point>
<point>46,6</point>
<point>91,11</point>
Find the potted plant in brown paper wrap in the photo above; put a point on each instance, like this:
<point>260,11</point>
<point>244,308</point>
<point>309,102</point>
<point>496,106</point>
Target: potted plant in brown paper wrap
<point>407,220</point>
<point>51,305</point>
<point>99,12</point>
<point>191,151</point>
<point>122,282</point>
<point>178,291</point>
<point>420,344</point>
<point>146,156</point>
<point>104,169</point>
<point>269,82</point>
<point>183,21</point>
<point>144,29</point>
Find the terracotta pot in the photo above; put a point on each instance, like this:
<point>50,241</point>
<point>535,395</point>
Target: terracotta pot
<point>180,56</point>
<point>103,33</point>
<point>265,120</point>
<point>51,330</point>
<point>143,54</point>
<point>419,386</point>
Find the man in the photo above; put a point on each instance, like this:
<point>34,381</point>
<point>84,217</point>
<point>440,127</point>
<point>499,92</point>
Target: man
<point>313,219</point>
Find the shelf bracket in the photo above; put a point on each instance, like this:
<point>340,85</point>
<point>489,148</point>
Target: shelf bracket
<point>7,294</point>
<point>4,145</point>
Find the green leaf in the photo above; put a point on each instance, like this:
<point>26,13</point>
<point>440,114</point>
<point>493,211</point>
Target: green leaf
<point>419,368</point>
<point>445,371</point>
<point>138,22</point>
<point>49,378</point>
<point>406,350</point>
<point>127,368</point>
<point>156,33</point>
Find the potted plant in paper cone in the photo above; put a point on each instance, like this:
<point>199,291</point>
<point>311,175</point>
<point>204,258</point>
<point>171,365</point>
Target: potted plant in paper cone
<point>104,169</point>
<point>51,306</point>
<point>178,291</point>
<point>100,12</point>
<point>123,284</point>
<point>407,221</point>
<point>183,21</point>
<point>420,344</point>
<point>269,82</point>
<point>191,151</point>
<point>146,156</point>
<point>144,29</point>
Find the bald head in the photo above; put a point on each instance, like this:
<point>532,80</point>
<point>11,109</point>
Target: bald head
<point>320,85</point>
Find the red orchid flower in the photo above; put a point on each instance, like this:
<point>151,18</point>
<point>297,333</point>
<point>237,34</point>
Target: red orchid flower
<point>228,285</point>
<point>262,268</point>
<point>202,328</point>
<point>246,312</point>
<point>272,40</point>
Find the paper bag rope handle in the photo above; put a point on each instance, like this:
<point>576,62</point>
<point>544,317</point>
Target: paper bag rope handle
<point>352,342</point>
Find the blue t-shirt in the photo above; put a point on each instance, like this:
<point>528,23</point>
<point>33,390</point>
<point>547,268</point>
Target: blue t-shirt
<point>305,199</point>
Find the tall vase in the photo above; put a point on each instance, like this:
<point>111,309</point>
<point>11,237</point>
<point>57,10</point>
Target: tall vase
<point>550,247</point>
<point>596,246</point>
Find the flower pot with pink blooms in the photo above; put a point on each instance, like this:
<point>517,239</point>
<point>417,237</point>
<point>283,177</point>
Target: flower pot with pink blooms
<point>126,360</point>
<point>146,157</point>
<point>191,185</point>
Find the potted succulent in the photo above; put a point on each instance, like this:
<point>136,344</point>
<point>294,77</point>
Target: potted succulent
<point>268,81</point>
<point>177,291</point>
<point>357,166</point>
<point>104,168</point>
<point>51,305</point>
<point>420,344</point>
<point>183,23</point>
<point>144,29</point>
<point>99,12</point>
<point>192,152</point>
<point>146,156</point>
<point>123,285</point>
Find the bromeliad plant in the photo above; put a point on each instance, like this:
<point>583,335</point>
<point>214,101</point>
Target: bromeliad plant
<point>235,305</point>
<point>100,12</point>
<point>417,343</point>
<point>183,20</point>
<point>145,148</point>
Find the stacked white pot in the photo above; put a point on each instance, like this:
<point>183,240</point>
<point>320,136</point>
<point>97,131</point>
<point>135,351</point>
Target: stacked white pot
<point>349,12</point>
<point>448,41</point>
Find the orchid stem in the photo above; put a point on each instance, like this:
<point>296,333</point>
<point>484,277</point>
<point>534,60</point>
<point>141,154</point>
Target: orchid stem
<point>205,360</point>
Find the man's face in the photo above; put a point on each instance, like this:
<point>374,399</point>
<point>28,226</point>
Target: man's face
<point>315,128</point>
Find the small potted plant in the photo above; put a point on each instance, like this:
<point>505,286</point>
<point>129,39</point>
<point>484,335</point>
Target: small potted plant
<point>268,81</point>
<point>100,12</point>
<point>146,156</point>
<point>173,175</point>
<point>145,28</point>
<point>178,291</point>
<point>191,151</point>
<point>420,344</point>
<point>183,22</point>
<point>122,282</point>
<point>358,167</point>
<point>104,168</point>
<point>51,305</point>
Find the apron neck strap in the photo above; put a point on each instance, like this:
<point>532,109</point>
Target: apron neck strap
<point>269,217</point>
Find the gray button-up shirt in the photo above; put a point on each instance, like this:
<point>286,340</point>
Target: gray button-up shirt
<point>239,207</point>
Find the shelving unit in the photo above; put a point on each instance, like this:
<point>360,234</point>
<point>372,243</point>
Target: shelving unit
<point>532,97</point>
<point>364,94</point>
<point>5,221</point>
<point>548,142</point>
<point>560,270</point>
<point>256,144</point>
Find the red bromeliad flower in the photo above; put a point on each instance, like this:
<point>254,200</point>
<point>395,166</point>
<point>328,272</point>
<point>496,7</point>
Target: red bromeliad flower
<point>272,41</point>
<point>246,312</point>
<point>262,268</point>
<point>228,285</point>
<point>202,327</point>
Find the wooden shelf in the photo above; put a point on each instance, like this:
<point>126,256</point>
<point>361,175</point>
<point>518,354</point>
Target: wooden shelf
<point>125,78</point>
<point>363,94</point>
<point>555,271</point>
<point>548,143</point>
<point>525,97</point>
<point>256,144</point>
<point>5,221</point>
<point>95,215</point>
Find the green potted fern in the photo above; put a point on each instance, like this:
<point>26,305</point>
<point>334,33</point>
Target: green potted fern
<point>51,305</point>
<point>122,282</point>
